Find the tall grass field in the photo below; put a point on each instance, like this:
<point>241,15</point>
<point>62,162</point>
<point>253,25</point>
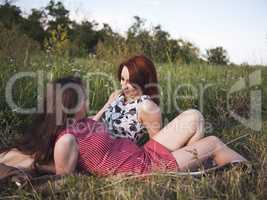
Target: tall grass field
<point>199,86</point>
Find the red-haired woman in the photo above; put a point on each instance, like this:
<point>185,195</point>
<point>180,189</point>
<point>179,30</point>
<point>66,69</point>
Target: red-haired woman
<point>135,109</point>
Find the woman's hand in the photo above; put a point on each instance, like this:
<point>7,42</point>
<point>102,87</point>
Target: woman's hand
<point>111,98</point>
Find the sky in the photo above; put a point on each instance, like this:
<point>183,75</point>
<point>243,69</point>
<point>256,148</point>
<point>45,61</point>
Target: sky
<point>240,26</point>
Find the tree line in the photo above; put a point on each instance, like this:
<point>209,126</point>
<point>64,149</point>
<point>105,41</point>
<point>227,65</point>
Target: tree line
<point>51,30</point>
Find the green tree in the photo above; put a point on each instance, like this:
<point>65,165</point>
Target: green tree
<point>33,26</point>
<point>217,56</point>
<point>10,15</point>
<point>136,28</point>
<point>111,46</point>
<point>57,15</point>
<point>15,46</point>
<point>106,33</point>
<point>160,44</point>
<point>57,42</point>
<point>188,52</point>
<point>173,50</point>
<point>139,39</point>
<point>84,37</point>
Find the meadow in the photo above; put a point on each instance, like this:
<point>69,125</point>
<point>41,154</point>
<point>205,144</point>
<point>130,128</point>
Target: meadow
<point>200,86</point>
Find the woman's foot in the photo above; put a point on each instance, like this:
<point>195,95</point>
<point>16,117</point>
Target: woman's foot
<point>244,166</point>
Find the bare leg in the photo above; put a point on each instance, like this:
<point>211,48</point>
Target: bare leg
<point>192,155</point>
<point>185,129</point>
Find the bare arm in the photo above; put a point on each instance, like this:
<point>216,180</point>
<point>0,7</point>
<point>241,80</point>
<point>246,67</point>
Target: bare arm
<point>112,97</point>
<point>150,116</point>
<point>100,112</point>
<point>66,154</point>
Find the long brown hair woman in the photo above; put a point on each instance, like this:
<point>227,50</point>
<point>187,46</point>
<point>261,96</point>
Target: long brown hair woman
<point>38,141</point>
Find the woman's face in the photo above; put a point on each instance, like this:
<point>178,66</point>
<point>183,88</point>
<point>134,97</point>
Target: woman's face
<point>127,88</point>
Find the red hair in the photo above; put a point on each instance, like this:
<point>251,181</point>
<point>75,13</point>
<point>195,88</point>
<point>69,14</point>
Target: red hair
<point>142,72</point>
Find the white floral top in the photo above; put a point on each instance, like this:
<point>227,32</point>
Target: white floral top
<point>121,119</point>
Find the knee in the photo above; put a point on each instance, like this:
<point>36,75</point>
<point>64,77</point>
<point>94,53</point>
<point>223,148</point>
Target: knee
<point>214,140</point>
<point>194,115</point>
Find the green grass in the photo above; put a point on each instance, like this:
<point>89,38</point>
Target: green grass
<point>233,184</point>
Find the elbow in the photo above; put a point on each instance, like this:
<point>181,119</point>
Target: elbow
<point>66,170</point>
<point>63,172</point>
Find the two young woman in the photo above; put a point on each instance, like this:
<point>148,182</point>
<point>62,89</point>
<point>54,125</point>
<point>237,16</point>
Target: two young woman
<point>88,145</point>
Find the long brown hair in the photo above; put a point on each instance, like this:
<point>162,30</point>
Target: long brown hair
<point>142,72</point>
<point>39,139</point>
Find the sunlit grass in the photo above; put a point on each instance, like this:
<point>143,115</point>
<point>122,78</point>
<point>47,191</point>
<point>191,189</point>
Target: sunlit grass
<point>101,79</point>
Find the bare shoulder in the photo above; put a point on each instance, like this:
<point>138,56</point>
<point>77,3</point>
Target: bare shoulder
<point>150,116</point>
<point>149,106</point>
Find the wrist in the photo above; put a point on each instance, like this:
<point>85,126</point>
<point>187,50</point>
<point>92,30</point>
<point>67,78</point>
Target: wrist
<point>106,105</point>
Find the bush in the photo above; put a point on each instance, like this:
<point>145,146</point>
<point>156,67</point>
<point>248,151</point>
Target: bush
<point>15,46</point>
